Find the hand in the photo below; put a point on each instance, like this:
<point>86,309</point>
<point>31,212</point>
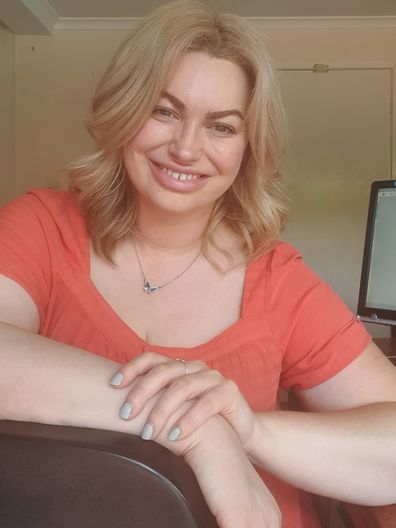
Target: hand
<point>210,393</point>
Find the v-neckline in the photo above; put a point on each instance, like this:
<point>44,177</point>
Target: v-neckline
<point>106,318</point>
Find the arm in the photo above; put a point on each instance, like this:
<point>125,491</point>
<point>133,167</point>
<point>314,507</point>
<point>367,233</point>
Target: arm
<point>339,449</point>
<point>45,381</point>
<point>345,447</point>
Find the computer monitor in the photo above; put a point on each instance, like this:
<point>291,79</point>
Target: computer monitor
<point>377,293</point>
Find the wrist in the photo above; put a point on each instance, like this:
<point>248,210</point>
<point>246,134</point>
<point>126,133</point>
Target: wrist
<point>209,438</point>
<point>259,441</point>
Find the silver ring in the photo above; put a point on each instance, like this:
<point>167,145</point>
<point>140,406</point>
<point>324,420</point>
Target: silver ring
<point>184,363</point>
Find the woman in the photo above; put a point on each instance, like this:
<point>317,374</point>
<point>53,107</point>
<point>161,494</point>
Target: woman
<point>157,286</point>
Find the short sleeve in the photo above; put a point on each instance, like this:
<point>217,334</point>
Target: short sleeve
<point>24,252</point>
<point>317,333</point>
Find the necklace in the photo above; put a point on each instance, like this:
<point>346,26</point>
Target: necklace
<point>151,288</point>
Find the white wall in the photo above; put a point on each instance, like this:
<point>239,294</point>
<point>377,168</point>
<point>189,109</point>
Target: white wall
<point>353,46</point>
<point>7,115</point>
<point>56,76</point>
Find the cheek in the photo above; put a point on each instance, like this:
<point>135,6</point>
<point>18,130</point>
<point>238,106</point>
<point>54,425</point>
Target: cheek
<point>229,158</point>
<point>139,142</point>
<point>151,135</point>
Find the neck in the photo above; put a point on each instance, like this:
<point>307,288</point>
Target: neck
<point>173,233</point>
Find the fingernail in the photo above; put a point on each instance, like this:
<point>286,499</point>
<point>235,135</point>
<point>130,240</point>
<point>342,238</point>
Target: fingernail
<point>126,411</point>
<point>147,432</point>
<point>117,379</point>
<point>174,434</point>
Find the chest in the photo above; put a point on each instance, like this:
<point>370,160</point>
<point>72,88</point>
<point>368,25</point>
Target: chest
<point>218,318</point>
<point>188,311</point>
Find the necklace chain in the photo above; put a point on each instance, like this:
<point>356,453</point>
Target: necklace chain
<point>151,288</point>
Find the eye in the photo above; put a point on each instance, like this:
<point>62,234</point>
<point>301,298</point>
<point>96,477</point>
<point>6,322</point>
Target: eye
<point>221,129</point>
<point>163,113</point>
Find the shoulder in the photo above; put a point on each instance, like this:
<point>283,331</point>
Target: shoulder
<point>41,202</point>
<point>280,255</point>
<point>283,255</point>
<point>44,220</point>
<point>281,263</point>
<point>290,281</point>
<point>293,294</point>
<point>316,331</point>
<point>56,208</point>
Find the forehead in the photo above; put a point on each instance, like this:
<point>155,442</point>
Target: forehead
<point>210,82</point>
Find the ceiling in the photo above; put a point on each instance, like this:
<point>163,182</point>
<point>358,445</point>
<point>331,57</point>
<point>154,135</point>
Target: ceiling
<point>42,16</point>
<point>256,8</point>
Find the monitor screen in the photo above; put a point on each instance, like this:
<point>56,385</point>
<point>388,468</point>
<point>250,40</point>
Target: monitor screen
<point>377,295</point>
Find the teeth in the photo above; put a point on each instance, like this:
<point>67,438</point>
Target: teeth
<point>180,176</point>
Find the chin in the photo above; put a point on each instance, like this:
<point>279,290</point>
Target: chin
<point>179,205</point>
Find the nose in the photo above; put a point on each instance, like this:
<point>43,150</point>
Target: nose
<point>186,143</point>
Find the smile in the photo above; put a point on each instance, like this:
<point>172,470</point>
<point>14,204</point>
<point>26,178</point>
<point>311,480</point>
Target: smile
<point>179,176</point>
<point>178,181</point>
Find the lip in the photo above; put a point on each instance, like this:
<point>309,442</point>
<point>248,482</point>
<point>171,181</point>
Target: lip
<point>175,185</point>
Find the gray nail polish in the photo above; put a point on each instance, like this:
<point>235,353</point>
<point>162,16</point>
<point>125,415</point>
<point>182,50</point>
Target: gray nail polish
<point>147,432</point>
<point>117,379</point>
<point>174,434</point>
<point>126,411</point>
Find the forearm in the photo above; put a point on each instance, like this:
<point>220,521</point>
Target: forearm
<point>45,381</point>
<point>349,455</point>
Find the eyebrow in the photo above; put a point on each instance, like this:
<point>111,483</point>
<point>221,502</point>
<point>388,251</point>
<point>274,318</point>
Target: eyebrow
<point>210,115</point>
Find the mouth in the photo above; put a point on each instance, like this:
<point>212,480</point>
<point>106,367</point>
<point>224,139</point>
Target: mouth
<point>177,180</point>
<point>179,176</point>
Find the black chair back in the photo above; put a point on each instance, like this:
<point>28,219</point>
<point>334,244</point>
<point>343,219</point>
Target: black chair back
<point>55,476</point>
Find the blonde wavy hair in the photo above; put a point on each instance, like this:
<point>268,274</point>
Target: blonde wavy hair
<point>129,89</point>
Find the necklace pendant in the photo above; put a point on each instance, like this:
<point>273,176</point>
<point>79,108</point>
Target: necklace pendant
<point>147,288</point>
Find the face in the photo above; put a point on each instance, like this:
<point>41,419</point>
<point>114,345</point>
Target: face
<point>189,151</point>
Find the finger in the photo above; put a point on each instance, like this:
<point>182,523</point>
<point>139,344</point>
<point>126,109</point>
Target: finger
<point>136,367</point>
<point>182,389</point>
<point>155,380</point>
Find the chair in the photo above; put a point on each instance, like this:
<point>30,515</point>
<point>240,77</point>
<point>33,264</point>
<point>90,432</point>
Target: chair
<point>55,476</point>
<point>355,516</point>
